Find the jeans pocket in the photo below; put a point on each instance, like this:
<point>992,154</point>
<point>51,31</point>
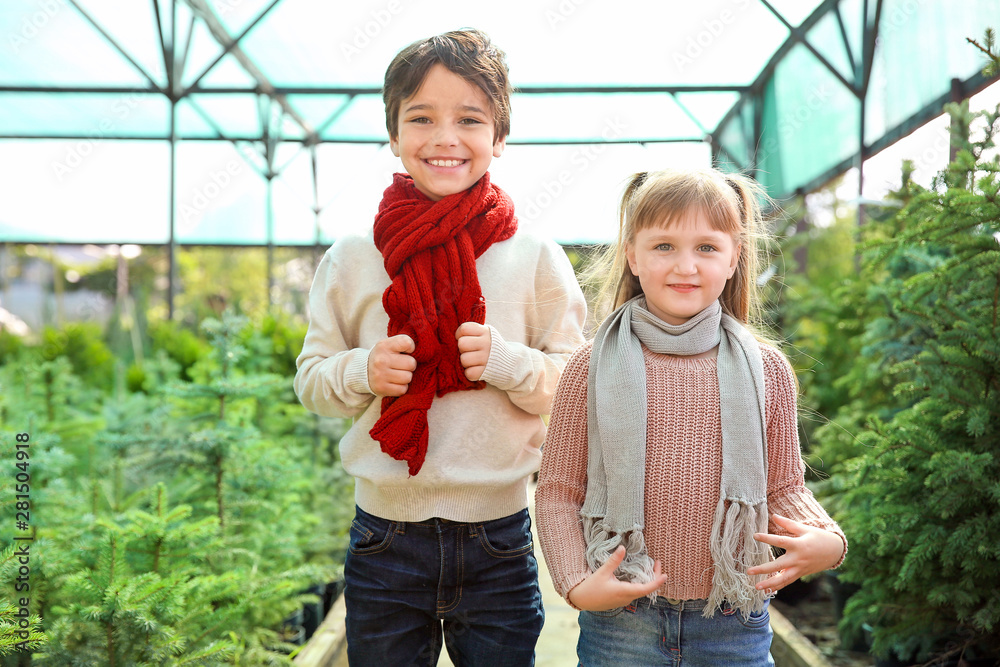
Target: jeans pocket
<point>757,619</point>
<point>607,613</point>
<point>371,537</point>
<point>506,538</point>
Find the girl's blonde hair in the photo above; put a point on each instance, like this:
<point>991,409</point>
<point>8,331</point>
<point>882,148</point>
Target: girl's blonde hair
<point>731,202</point>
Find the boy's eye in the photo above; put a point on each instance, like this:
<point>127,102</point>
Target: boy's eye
<point>470,121</point>
<point>419,119</point>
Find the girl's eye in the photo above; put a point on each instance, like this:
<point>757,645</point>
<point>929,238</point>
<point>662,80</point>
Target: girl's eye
<point>707,248</point>
<point>664,246</point>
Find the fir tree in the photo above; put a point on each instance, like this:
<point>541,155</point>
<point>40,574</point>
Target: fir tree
<point>18,633</point>
<point>922,501</point>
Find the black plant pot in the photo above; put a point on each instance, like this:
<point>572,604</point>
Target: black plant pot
<point>292,630</point>
<point>840,591</point>
<point>331,592</point>
<point>313,613</point>
<point>798,591</point>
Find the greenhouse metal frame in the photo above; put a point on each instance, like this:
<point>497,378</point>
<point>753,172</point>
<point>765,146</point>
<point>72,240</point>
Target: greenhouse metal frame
<point>837,42</point>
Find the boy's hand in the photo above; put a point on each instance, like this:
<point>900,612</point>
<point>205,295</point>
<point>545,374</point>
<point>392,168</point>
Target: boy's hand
<point>390,366</point>
<point>808,550</point>
<point>474,341</point>
<point>602,590</point>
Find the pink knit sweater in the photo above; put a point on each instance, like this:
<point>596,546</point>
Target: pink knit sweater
<point>683,468</point>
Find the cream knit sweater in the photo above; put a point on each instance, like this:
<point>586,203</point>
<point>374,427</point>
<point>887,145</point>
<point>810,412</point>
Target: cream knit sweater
<point>483,444</point>
<point>683,469</point>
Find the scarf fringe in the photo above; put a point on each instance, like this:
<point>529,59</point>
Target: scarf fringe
<point>637,567</point>
<point>734,550</point>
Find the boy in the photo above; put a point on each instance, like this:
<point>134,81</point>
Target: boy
<point>444,334</point>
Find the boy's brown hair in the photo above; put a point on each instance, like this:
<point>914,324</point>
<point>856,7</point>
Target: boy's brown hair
<point>468,53</point>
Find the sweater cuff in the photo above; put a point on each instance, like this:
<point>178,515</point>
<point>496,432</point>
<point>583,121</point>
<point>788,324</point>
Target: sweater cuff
<point>843,555</point>
<point>356,373</point>
<point>570,590</point>
<point>501,364</point>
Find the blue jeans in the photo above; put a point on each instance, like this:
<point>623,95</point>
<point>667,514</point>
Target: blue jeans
<point>673,633</point>
<point>410,585</point>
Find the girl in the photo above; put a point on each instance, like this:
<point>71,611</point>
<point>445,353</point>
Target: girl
<point>673,441</point>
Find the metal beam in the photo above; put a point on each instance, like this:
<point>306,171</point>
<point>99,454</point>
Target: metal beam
<point>163,43</point>
<point>233,44</point>
<point>871,37</point>
<point>768,71</point>
<point>371,90</point>
<point>800,37</point>
<point>115,44</point>
<point>172,184</point>
<point>221,35</point>
<point>378,141</point>
<point>847,42</point>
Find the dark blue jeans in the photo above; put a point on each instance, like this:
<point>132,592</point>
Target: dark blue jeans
<point>410,585</point>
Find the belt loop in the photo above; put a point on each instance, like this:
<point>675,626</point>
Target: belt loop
<point>400,527</point>
<point>473,530</point>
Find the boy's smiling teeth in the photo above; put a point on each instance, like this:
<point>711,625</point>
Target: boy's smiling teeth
<point>445,163</point>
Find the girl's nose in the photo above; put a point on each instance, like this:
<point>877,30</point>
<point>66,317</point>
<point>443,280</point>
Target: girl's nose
<point>686,266</point>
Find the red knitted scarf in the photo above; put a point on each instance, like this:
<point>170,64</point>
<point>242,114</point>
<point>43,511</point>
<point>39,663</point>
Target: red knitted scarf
<point>430,250</point>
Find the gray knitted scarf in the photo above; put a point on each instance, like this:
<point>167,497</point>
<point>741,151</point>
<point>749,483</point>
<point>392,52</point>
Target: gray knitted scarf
<point>612,512</point>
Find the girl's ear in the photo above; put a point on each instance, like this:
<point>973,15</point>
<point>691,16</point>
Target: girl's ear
<point>735,260</point>
<point>630,256</point>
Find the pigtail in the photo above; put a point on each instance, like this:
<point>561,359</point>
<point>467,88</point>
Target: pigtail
<point>627,285</point>
<point>741,296</point>
<point>608,280</point>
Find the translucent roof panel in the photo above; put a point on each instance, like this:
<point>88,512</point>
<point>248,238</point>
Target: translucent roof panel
<point>807,111</point>
<point>307,43</point>
<point>289,90</point>
<point>907,73</point>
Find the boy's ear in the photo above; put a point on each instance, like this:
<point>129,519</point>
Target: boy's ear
<point>394,145</point>
<point>498,146</point>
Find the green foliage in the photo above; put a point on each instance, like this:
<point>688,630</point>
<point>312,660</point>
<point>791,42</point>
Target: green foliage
<point>10,345</point>
<point>20,630</point>
<point>82,344</point>
<point>259,506</point>
<point>988,49</point>
<point>914,439</point>
<point>179,343</point>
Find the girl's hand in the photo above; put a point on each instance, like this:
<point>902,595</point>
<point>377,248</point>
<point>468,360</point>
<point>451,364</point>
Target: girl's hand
<point>602,590</point>
<point>808,550</point>
<point>474,341</point>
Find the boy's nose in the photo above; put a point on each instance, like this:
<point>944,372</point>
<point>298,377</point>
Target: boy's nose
<point>445,135</point>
